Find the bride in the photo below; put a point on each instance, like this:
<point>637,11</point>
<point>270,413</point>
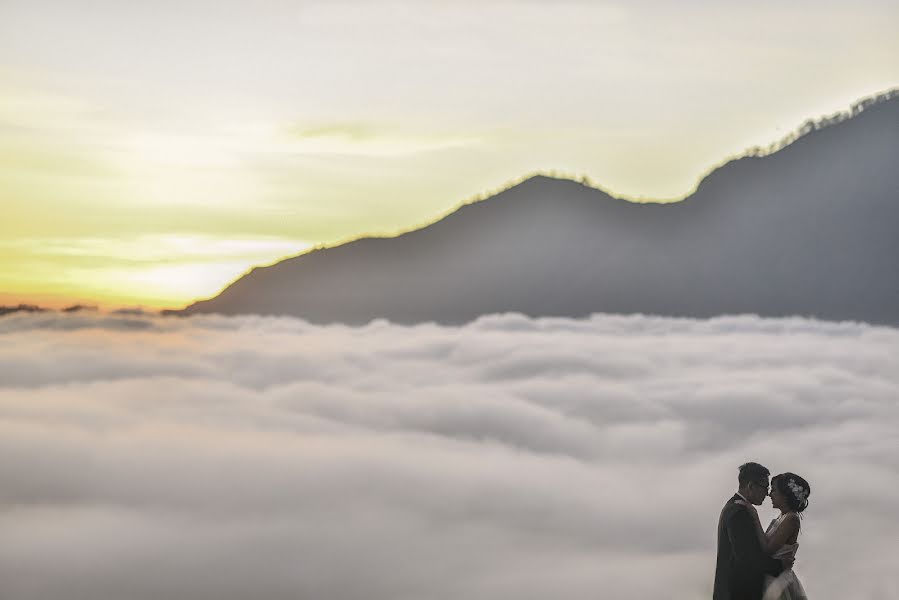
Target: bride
<point>789,494</point>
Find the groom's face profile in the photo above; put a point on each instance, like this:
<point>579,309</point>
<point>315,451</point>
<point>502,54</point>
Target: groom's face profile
<point>753,480</point>
<point>758,491</point>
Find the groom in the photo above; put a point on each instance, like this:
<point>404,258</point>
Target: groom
<point>742,565</point>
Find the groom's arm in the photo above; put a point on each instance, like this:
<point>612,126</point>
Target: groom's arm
<point>746,546</point>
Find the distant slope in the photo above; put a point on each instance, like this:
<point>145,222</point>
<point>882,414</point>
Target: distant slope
<point>812,229</point>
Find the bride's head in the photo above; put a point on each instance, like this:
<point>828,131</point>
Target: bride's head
<point>789,492</point>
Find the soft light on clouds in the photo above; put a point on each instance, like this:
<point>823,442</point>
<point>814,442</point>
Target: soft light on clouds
<point>218,457</point>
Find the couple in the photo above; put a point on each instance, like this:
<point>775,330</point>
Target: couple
<point>754,564</point>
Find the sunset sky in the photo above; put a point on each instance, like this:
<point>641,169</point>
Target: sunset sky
<point>152,152</point>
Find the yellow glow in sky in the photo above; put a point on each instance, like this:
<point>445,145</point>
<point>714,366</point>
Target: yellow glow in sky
<point>148,271</point>
<point>135,172</point>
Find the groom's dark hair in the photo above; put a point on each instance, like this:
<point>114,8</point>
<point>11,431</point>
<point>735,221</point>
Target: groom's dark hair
<point>752,472</point>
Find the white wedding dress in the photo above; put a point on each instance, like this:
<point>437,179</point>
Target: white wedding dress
<point>785,586</point>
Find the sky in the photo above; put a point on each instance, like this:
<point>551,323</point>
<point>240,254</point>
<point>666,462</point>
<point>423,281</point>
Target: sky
<point>249,457</point>
<point>150,153</point>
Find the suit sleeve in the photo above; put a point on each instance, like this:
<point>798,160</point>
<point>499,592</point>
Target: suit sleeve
<point>746,547</point>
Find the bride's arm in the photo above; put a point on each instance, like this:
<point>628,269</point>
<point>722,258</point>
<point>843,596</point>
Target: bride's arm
<point>746,547</point>
<point>781,534</point>
<point>785,532</point>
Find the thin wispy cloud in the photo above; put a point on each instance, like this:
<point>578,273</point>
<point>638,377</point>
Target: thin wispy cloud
<point>256,457</point>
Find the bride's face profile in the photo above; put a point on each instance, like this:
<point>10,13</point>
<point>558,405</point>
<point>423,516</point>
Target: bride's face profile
<point>777,499</point>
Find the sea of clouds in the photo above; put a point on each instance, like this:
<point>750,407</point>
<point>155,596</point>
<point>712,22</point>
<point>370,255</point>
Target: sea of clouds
<point>512,458</point>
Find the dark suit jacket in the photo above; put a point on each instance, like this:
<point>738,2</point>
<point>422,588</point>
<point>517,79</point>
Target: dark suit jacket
<point>742,565</point>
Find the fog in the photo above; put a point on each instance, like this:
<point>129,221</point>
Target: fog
<point>247,457</point>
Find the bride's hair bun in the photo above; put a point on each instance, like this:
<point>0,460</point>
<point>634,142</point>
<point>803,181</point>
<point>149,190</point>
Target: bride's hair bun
<point>794,488</point>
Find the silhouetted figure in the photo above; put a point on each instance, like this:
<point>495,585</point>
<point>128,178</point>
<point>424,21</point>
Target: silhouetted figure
<point>742,562</point>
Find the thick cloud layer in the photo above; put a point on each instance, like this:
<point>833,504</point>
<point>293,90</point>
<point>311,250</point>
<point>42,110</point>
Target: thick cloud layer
<point>233,458</point>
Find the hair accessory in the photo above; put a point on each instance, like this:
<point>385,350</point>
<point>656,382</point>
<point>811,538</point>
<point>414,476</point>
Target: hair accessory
<point>799,492</point>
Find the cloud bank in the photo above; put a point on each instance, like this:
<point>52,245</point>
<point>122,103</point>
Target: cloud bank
<point>235,458</point>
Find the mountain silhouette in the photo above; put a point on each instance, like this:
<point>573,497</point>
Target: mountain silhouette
<point>810,229</point>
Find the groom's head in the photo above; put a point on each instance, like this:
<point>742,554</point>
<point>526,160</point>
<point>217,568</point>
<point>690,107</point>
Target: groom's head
<point>753,479</point>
